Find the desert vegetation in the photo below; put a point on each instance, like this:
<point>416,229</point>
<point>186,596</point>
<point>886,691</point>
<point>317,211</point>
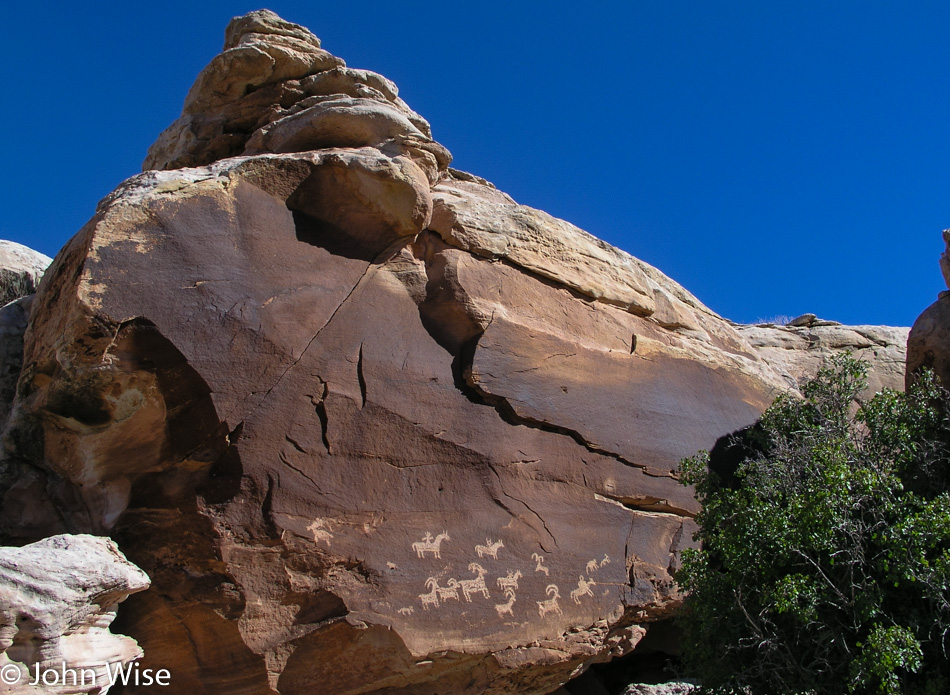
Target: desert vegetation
<point>825,546</point>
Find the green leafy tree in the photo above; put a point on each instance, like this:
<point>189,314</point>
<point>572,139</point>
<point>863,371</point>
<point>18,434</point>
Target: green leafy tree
<point>825,554</point>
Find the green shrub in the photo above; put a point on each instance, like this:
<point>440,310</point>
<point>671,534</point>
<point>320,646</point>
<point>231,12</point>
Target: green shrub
<point>825,555</point>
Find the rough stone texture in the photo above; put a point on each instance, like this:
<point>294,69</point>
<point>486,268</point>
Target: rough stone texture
<point>660,689</point>
<point>274,89</point>
<point>797,352</point>
<point>365,421</point>
<point>928,345</point>
<point>58,598</point>
<point>20,270</point>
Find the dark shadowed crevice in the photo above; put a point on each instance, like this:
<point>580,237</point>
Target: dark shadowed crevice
<point>360,378</point>
<point>654,660</point>
<point>647,503</point>
<point>331,238</point>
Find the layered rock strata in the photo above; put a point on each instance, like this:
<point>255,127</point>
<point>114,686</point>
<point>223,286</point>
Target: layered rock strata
<point>368,424</point>
<point>58,598</point>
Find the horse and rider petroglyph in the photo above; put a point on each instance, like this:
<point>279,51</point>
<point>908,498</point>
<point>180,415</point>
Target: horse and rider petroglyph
<point>509,582</point>
<point>490,549</point>
<point>320,528</point>
<point>430,545</point>
<point>583,589</point>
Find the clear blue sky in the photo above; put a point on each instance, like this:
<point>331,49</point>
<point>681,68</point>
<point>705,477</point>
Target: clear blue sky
<point>773,157</point>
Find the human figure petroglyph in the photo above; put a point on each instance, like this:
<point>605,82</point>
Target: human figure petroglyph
<point>540,566</point>
<point>505,608</point>
<point>550,605</point>
<point>406,610</point>
<point>593,566</point>
<point>430,545</point>
<point>509,582</point>
<point>583,588</point>
<point>477,585</point>
<point>320,528</point>
<point>490,549</point>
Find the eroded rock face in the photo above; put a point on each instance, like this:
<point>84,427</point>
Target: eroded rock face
<point>366,422</point>
<point>58,598</point>
<point>274,89</point>
<point>928,345</point>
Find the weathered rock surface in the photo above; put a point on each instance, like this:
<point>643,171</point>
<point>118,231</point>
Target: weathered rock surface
<point>797,352</point>
<point>368,424</point>
<point>20,270</point>
<point>58,598</point>
<point>274,89</point>
<point>928,345</point>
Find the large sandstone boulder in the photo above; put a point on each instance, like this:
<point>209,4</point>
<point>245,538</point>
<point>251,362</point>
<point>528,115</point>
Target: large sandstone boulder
<point>368,424</point>
<point>57,599</point>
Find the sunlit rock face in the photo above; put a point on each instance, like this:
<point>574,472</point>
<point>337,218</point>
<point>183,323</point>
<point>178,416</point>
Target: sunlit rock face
<point>367,423</point>
<point>58,597</point>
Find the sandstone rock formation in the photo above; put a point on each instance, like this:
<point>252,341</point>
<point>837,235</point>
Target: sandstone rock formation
<point>368,424</point>
<point>57,599</point>
<point>927,345</point>
<point>798,351</point>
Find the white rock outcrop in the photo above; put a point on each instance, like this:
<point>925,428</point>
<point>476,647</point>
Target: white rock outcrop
<point>58,597</point>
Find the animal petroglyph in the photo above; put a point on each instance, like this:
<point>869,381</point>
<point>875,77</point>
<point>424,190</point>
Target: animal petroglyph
<point>509,582</point>
<point>593,565</point>
<point>450,590</point>
<point>406,610</point>
<point>477,585</point>
<point>430,545</point>
<point>550,605</point>
<point>490,549</point>
<point>540,566</point>
<point>583,588</point>
<point>430,599</point>
<point>505,608</point>
<point>320,528</point>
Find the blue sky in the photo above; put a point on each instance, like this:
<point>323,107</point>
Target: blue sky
<point>773,157</point>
